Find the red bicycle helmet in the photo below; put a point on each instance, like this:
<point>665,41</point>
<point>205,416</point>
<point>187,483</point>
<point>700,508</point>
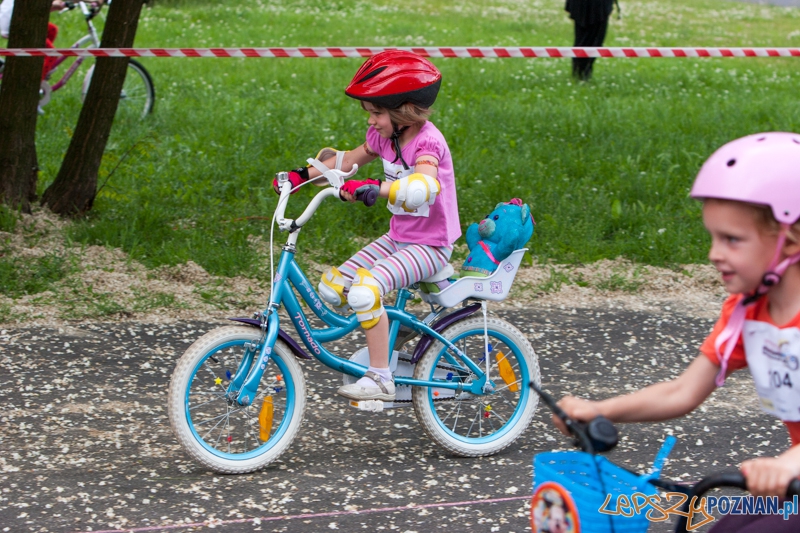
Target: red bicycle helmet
<point>391,78</point>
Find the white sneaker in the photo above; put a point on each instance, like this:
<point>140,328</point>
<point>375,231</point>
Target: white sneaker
<point>383,390</point>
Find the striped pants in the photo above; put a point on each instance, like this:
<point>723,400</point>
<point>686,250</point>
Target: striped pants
<point>396,264</point>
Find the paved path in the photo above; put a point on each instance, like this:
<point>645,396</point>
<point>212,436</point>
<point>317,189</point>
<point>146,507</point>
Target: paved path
<point>86,443</point>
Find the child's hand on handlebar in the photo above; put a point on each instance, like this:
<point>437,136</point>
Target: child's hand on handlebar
<point>769,476</point>
<point>295,178</point>
<point>356,189</point>
<point>576,409</point>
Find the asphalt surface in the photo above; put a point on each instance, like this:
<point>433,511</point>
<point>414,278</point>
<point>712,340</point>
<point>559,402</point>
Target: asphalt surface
<point>86,444</point>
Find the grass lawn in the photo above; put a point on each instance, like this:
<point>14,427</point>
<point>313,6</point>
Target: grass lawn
<point>605,165</point>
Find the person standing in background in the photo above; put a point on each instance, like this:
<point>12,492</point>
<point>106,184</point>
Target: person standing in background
<point>591,22</point>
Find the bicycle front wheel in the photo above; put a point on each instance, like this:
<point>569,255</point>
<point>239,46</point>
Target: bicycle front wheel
<point>476,425</point>
<point>218,432</point>
<point>138,92</point>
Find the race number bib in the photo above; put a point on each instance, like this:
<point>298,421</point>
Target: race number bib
<point>773,356</point>
<point>393,172</point>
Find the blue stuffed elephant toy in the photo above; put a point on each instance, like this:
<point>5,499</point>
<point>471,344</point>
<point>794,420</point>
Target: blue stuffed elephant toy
<point>509,227</point>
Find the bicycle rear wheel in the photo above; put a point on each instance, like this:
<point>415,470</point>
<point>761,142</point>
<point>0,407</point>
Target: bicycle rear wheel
<point>215,430</point>
<point>138,92</point>
<point>476,425</point>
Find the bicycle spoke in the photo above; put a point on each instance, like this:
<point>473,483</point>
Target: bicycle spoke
<point>223,418</point>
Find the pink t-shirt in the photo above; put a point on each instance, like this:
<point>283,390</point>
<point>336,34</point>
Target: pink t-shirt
<point>442,227</point>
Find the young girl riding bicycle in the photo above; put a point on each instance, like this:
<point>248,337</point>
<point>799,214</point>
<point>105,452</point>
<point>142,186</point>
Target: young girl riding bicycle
<point>397,89</point>
<point>750,189</point>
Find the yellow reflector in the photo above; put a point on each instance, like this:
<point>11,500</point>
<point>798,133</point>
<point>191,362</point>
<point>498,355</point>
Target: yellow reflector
<point>506,372</point>
<point>265,419</point>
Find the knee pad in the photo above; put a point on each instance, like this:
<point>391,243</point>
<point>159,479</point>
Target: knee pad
<point>365,298</point>
<point>331,287</point>
<point>414,191</point>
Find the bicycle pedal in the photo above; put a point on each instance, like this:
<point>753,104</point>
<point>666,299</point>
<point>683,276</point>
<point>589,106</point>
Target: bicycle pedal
<point>375,406</point>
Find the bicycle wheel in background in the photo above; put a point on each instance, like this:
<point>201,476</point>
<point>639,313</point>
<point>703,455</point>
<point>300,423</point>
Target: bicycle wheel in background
<point>216,431</point>
<point>138,93</point>
<point>467,424</point>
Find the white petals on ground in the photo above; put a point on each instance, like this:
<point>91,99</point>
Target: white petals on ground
<point>87,445</point>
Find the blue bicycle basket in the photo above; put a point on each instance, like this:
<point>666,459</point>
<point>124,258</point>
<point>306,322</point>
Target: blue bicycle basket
<point>570,488</point>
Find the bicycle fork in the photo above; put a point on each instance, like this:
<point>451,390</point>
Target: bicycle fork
<point>243,386</point>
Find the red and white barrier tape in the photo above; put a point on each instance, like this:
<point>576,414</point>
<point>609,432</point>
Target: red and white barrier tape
<point>465,52</point>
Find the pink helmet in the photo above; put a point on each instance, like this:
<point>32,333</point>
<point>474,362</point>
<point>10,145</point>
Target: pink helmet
<point>759,169</point>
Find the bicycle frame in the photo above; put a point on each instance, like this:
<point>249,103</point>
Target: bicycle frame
<point>243,385</point>
<point>90,37</point>
<point>74,66</point>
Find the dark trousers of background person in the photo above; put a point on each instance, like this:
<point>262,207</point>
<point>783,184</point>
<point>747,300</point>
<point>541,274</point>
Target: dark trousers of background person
<point>591,23</point>
<point>589,35</point>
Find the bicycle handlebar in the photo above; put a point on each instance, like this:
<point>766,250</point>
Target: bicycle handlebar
<point>596,436</point>
<point>368,197</point>
<point>90,12</point>
<point>722,479</point>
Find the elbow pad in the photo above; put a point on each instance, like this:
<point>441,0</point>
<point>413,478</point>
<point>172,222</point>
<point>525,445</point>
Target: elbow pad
<point>414,192</point>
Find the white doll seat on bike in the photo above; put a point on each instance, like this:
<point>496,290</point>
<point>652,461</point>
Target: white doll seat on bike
<point>494,287</point>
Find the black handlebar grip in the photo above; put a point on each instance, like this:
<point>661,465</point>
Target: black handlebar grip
<point>597,435</point>
<point>602,433</point>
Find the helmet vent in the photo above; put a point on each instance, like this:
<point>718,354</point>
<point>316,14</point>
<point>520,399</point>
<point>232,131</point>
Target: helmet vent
<point>761,139</point>
<point>795,141</point>
<point>371,74</point>
<point>731,162</point>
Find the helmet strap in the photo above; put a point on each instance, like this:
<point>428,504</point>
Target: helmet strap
<point>396,143</point>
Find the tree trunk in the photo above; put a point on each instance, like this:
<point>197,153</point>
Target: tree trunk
<point>74,189</point>
<point>19,98</point>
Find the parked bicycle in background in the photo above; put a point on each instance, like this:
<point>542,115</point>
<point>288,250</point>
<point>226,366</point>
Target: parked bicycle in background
<point>138,92</point>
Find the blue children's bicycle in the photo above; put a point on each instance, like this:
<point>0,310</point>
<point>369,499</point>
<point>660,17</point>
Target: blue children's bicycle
<point>237,395</point>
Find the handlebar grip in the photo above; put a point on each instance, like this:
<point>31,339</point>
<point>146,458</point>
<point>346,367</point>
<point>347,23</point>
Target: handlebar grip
<point>368,195</point>
<point>602,433</point>
<point>595,436</point>
<point>793,489</point>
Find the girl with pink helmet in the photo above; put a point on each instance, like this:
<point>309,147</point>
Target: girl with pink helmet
<point>396,88</point>
<point>750,189</point>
